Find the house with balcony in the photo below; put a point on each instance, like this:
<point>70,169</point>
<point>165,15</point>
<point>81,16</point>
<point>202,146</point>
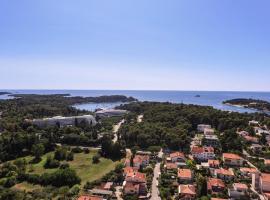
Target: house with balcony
<point>232,159</point>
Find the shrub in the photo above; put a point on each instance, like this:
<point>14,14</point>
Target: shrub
<point>51,163</point>
<point>77,150</point>
<point>96,158</point>
<point>86,150</point>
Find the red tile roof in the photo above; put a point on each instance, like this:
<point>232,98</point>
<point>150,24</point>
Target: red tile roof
<point>225,172</point>
<point>136,177</point>
<point>267,162</point>
<point>248,170</point>
<point>140,158</point>
<point>89,197</point>
<point>184,173</point>
<point>240,186</point>
<point>213,162</point>
<point>232,156</point>
<point>215,182</point>
<point>128,170</point>
<point>217,199</point>
<point>265,177</point>
<point>197,150</point>
<point>171,166</point>
<point>187,189</point>
<point>177,154</point>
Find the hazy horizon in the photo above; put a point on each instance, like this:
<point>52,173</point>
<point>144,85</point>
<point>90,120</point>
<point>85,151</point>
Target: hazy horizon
<point>186,45</point>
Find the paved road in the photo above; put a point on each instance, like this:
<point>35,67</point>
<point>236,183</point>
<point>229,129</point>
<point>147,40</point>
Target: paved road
<point>118,192</point>
<point>115,130</point>
<point>155,191</point>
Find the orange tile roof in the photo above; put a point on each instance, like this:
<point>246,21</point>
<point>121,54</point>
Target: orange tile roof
<point>267,162</point>
<point>128,170</point>
<point>89,197</point>
<point>171,166</point>
<point>265,177</point>
<point>213,162</point>
<point>131,186</point>
<point>187,189</point>
<point>184,173</point>
<point>225,172</point>
<point>240,186</point>
<point>177,154</point>
<point>197,150</point>
<point>140,158</point>
<point>136,176</point>
<point>217,199</point>
<point>248,170</point>
<point>232,156</point>
<point>215,182</point>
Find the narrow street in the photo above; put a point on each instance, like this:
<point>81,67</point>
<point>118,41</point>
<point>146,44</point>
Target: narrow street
<point>155,191</point>
<point>115,130</point>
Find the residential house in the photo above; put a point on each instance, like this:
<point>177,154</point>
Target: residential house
<point>247,172</point>
<point>218,199</point>
<point>264,183</point>
<point>214,164</point>
<point>177,157</point>
<point>211,140</point>
<point>253,123</point>
<point>250,139</point>
<point>203,153</point>
<point>105,194</point>
<point>243,133</point>
<point>238,190</point>
<point>89,197</point>
<point>187,192</point>
<point>135,183</point>
<point>129,170</point>
<point>170,166</point>
<point>256,148</point>
<point>209,131</point>
<point>260,131</point>
<point>224,174</point>
<point>232,159</point>
<point>215,185</point>
<point>141,161</point>
<point>267,162</point>
<point>185,176</point>
<point>202,127</point>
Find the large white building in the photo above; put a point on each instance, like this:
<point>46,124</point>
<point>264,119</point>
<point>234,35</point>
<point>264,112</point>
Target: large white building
<point>64,121</point>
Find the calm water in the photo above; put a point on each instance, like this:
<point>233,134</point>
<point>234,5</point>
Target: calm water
<point>214,99</point>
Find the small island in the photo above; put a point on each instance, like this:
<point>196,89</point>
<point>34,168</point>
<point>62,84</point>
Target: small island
<point>4,93</point>
<point>256,104</point>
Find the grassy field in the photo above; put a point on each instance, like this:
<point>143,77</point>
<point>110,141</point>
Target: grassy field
<point>82,164</point>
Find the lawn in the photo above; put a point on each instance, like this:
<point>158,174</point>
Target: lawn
<point>24,186</point>
<point>82,164</point>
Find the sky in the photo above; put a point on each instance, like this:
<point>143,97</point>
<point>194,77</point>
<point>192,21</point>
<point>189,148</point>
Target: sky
<point>135,44</point>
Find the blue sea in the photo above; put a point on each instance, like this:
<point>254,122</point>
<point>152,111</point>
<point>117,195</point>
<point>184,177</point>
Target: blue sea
<point>208,98</point>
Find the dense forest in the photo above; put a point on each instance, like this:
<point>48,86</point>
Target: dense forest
<point>173,125</point>
<point>18,135</point>
<point>257,104</point>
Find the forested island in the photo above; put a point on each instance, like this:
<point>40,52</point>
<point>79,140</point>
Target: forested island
<point>257,104</point>
<point>4,93</point>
